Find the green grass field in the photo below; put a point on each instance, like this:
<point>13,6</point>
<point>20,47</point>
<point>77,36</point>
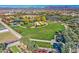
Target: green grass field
<point>15,49</point>
<point>44,33</point>
<point>43,44</point>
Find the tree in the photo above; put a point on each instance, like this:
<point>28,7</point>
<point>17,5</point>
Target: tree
<point>66,18</point>
<point>25,19</point>
<point>72,40</point>
<point>31,45</point>
<point>2,47</point>
<point>37,18</point>
<point>43,18</point>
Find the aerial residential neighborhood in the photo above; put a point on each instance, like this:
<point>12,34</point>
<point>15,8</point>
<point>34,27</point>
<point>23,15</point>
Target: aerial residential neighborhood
<point>39,29</point>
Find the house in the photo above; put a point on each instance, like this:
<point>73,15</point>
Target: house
<point>54,18</point>
<point>17,21</point>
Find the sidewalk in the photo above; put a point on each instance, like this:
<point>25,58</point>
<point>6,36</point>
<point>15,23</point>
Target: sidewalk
<point>40,40</point>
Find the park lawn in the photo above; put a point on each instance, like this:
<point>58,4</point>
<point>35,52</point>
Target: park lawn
<point>15,49</point>
<point>43,44</point>
<point>43,33</point>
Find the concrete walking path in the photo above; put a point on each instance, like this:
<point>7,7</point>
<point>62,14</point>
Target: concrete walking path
<point>40,40</point>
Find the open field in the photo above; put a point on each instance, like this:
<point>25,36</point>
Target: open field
<point>7,36</point>
<point>43,44</point>
<point>43,33</point>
